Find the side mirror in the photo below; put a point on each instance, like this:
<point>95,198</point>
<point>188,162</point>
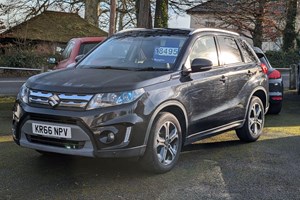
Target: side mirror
<point>201,64</point>
<point>52,61</point>
<point>78,58</point>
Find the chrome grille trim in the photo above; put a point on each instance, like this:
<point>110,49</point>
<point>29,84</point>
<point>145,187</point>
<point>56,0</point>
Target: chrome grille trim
<point>65,100</point>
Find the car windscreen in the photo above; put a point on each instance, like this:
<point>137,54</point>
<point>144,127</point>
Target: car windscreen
<point>158,52</point>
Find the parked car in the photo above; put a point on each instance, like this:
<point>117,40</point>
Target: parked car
<point>275,83</point>
<point>145,93</point>
<point>74,48</point>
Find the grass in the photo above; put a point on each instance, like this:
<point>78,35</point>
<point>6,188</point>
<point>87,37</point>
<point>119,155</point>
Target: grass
<point>6,104</point>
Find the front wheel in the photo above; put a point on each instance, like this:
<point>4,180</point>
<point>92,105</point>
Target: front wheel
<point>255,120</point>
<point>164,144</point>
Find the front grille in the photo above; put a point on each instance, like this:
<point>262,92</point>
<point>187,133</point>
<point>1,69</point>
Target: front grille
<point>68,144</point>
<point>58,100</point>
<point>54,119</point>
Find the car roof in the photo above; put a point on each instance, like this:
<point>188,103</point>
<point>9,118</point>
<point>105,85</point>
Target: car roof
<point>175,31</point>
<point>89,39</point>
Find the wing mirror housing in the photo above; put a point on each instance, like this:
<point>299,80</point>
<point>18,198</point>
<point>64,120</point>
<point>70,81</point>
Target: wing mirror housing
<point>201,64</point>
<point>78,58</point>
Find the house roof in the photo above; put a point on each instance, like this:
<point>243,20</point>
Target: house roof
<point>54,27</point>
<point>212,6</point>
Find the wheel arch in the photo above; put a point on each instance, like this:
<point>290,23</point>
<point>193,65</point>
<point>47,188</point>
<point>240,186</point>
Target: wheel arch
<point>178,110</point>
<point>262,94</point>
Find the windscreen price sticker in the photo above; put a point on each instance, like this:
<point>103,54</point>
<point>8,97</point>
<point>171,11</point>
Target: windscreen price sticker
<point>166,51</point>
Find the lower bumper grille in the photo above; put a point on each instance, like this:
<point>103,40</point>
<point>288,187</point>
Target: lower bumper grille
<point>68,144</point>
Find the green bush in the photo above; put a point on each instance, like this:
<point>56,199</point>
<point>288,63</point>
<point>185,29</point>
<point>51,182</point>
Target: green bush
<point>23,60</point>
<point>280,59</point>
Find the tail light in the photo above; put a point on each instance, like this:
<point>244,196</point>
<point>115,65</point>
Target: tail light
<point>274,75</point>
<point>277,98</point>
<point>264,68</point>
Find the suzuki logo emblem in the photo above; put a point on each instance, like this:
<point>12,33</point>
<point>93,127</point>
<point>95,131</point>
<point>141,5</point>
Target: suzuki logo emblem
<point>53,100</point>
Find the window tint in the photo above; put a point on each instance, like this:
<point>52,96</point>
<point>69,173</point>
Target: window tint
<point>230,52</point>
<point>67,52</point>
<point>86,47</point>
<point>247,53</point>
<point>205,47</point>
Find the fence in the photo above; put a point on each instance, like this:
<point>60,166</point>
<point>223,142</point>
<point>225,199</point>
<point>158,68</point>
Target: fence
<point>42,69</point>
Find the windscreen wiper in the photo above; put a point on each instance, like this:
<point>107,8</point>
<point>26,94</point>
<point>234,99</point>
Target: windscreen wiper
<point>110,67</point>
<point>152,69</point>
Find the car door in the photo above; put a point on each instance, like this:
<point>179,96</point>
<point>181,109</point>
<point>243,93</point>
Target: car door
<point>239,71</point>
<point>207,89</point>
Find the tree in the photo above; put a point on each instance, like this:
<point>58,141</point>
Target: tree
<point>91,13</point>
<point>161,14</point>
<point>254,19</point>
<point>144,19</point>
<point>289,32</point>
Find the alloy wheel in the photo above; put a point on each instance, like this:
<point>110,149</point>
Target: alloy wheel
<point>167,143</point>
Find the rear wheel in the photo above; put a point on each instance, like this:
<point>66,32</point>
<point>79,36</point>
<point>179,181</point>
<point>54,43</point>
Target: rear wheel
<point>254,123</point>
<point>164,144</point>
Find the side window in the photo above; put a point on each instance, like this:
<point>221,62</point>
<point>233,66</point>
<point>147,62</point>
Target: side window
<point>67,52</point>
<point>247,53</point>
<point>230,52</point>
<point>205,47</point>
<point>86,47</point>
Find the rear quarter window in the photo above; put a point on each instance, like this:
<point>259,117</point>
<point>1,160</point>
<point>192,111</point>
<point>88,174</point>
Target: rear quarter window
<point>247,53</point>
<point>230,52</point>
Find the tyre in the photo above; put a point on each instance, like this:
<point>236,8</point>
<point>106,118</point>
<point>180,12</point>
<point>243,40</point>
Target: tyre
<point>255,120</point>
<point>275,108</point>
<point>164,144</point>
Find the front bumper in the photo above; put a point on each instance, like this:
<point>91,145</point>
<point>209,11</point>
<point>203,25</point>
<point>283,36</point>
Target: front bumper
<point>127,122</point>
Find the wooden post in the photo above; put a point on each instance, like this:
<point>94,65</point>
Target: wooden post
<point>293,77</point>
<point>112,21</point>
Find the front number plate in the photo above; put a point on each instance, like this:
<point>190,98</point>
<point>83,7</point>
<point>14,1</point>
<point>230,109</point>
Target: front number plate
<point>51,131</point>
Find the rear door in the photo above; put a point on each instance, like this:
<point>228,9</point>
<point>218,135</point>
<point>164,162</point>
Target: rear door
<point>241,66</point>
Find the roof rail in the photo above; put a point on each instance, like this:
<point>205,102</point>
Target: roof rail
<point>131,29</point>
<point>212,29</point>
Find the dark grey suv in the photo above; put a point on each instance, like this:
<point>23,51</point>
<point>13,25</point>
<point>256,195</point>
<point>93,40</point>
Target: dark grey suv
<point>145,93</point>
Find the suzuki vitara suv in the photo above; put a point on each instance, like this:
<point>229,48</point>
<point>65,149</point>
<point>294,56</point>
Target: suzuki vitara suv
<point>145,93</point>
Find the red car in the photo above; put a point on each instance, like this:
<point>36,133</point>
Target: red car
<point>74,48</point>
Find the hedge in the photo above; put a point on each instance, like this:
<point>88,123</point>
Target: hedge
<point>281,59</point>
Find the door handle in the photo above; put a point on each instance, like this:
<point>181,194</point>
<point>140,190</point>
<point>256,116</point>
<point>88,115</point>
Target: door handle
<point>250,73</point>
<point>223,79</point>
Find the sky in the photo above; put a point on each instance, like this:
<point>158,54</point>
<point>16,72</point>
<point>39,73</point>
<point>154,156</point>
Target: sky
<point>179,21</point>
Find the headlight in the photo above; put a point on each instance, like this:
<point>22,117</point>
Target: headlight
<point>112,99</point>
<point>24,93</point>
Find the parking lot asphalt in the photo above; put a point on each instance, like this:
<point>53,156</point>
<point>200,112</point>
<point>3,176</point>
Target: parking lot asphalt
<point>216,168</point>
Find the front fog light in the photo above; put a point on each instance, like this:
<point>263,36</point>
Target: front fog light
<point>107,137</point>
